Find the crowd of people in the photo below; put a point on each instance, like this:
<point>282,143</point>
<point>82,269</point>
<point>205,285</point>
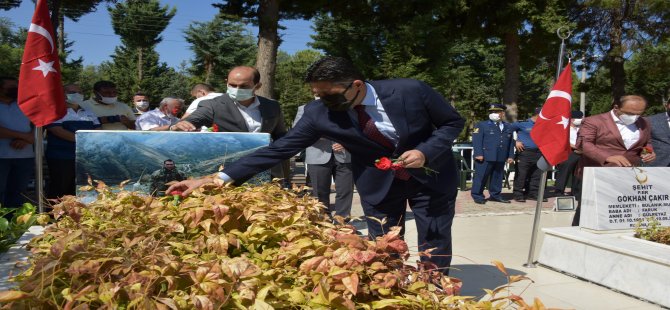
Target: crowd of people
<point>350,125</point>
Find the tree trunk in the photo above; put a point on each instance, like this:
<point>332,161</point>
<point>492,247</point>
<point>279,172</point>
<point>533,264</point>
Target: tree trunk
<point>139,65</point>
<point>209,67</point>
<point>61,34</point>
<point>268,42</point>
<point>615,55</point>
<point>55,17</point>
<point>512,63</point>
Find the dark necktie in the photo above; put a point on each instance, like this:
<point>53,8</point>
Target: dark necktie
<point>370,130</point>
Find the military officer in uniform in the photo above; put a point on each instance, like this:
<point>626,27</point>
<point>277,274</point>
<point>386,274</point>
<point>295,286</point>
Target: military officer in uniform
<point>493,145</point>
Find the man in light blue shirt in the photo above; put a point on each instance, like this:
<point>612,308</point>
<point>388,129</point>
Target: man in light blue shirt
<point>17,157</point>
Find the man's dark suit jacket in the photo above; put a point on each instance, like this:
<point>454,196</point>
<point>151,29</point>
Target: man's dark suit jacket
<point>422,119</point>
<point>223,112</point>
<point>660,139</point>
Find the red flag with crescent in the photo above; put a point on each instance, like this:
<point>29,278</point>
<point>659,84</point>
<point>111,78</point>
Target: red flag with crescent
<point>41,96</point>
<point>551,131</point>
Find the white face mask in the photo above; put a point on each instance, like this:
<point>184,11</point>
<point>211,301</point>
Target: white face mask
<point>75,97</point>
<point>628,119</point>
<point>240,94</point>
<point>494,117</point>
<point>577,122</point>
<point>107,100</point>
<point>142,104</point>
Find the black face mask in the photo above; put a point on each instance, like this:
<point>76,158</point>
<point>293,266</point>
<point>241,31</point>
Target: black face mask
<point>338,102</point>
<point>12,93</point>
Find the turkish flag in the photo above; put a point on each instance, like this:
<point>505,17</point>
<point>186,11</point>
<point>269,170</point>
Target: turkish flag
<point>41,96</point>
<point>551,131</point>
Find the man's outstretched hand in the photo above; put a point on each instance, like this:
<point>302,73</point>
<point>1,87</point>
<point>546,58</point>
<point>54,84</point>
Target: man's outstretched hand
<point>187,186</point>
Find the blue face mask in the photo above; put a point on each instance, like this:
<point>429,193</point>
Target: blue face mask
<point>240,94</point>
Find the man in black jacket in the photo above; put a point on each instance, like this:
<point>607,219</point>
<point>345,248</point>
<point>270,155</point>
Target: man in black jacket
<point>240,110</point>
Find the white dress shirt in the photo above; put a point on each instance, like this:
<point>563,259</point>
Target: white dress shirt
<point>194,105</point>
<point>251,115</point>
<point>573,135</point>
<point>629,133</point>
<point>154,118</point>
<point>376,111</point>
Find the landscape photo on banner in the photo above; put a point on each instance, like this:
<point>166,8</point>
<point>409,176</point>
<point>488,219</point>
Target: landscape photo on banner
<point>134,156</point>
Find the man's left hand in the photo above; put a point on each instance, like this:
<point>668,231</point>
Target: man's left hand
<point>338,147</point>
<point>649,157</point>
<point>510,160</point>
<point>412,159</point>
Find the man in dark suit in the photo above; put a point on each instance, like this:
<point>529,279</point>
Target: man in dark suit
<point>614,139</point>
<point>240,110</point>
<point>660,137</point>
<point>328,160</point>
<point>402,119</point>
<point>493,145</point>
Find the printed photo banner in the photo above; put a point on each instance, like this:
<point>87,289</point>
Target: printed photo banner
<point>138,156</point>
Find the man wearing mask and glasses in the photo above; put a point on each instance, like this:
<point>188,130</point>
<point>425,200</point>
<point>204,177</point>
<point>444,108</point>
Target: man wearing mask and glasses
<point>615,138</point>
<point>240,110</point>
<point>493,145</point>
<point>405,120</point>
<point>113,115</point>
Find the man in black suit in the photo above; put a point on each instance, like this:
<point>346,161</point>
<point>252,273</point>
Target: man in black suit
<point>401,119</point>
<point>240,110</point>
<point>660,137</point>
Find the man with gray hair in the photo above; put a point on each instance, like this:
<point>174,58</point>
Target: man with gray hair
<point>161,118</point>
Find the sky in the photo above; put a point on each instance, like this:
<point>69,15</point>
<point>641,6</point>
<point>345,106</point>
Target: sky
<point>94,38</point>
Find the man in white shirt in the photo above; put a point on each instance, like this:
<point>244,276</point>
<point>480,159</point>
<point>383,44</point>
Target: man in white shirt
<point>240,110</point>
<point>201,92</point>
<point>567,168</point>
<point>113,115</point>
<point>615,138</point>
<point>161,118</point>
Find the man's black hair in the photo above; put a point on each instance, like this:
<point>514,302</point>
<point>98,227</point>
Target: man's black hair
<point>333,69</point>
<point>168,160</point>
<point>99,85</point>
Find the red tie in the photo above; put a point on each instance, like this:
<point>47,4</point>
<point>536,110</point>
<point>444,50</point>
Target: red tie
<point>367,125</point>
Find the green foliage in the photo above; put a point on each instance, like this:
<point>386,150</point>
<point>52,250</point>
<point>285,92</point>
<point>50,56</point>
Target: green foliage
<point>20,219</point>
<point>139,23</point>
<point>248,247</point>
<point>291,88</point>
<point>11,47</point>
<point>219,45</point>
<point>158,81</point>
<point>648,76</point>
<point>652,231</point>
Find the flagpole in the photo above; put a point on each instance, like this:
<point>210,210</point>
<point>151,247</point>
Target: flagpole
<point>39,172</point>
<point>543,165</point>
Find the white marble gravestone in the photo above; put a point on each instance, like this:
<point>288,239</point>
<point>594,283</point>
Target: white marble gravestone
<point>618,198</point>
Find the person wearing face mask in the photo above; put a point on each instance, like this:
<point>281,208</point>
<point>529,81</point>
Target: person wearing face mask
<point>660,137</point>
<point>240,110</point>
<point>60,150</point>
<point>614,138</point>
<point>112,114</point>
<point>567,168</point>
<point>140,103</point>
<point>493,146</point>
<point>161,118</point>
<point>402,119</point>
<point>17,158</point>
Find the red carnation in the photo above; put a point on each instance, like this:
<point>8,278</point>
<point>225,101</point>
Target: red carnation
<point>396,165</point>
<point>383,163</point>
<point>647,150</point>
<point>175,193</point>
